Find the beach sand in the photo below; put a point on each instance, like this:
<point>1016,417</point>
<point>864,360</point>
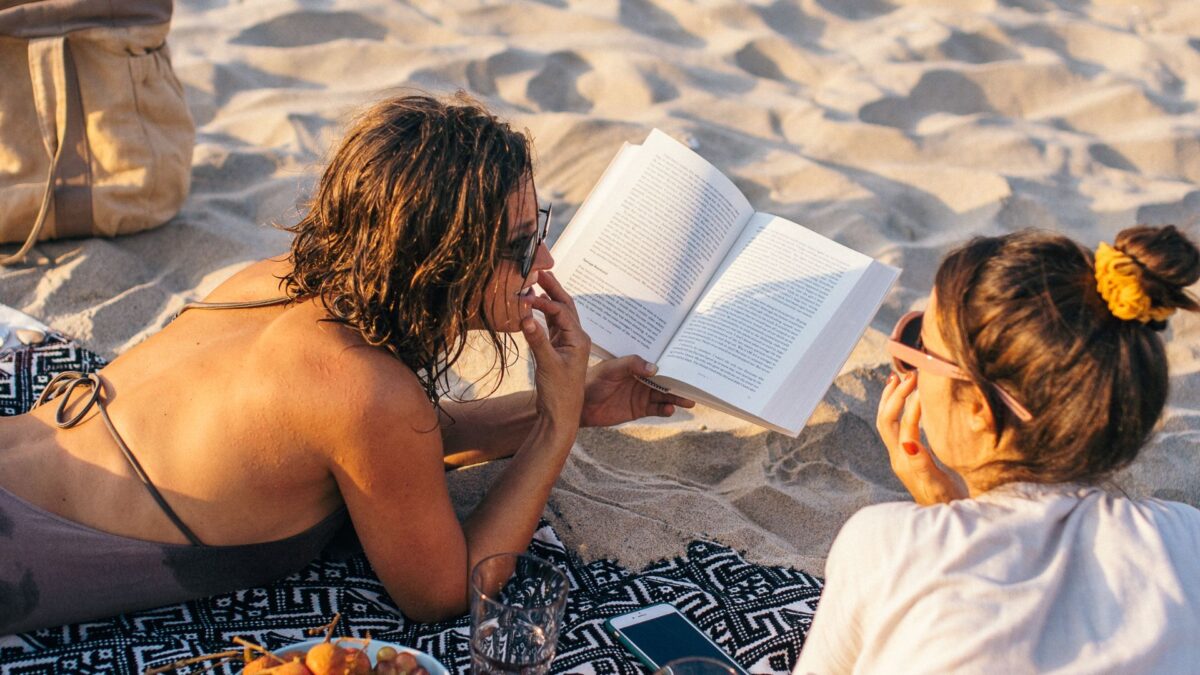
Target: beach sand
<point>896,127</point>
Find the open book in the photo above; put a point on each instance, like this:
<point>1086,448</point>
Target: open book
<point>747,312</point>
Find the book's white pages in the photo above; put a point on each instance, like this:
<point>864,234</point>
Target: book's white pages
<point>747,312</point>
<point>644,243</point>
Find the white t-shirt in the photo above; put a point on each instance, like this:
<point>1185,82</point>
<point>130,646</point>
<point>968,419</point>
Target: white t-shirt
<point>1022,579</point>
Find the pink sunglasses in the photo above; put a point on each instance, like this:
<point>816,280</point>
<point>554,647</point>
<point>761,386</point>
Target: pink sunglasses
<point>909,353</point>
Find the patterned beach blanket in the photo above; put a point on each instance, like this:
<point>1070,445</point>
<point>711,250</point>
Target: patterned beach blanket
<point>759,614</point>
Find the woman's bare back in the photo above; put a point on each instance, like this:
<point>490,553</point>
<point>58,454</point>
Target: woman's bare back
<point>233,414</point>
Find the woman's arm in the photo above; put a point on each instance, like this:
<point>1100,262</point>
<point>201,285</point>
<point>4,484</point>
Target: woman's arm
<point>493,428</point>
<point>835,637</point>
<point>487,429</point>
<point>390,472</point>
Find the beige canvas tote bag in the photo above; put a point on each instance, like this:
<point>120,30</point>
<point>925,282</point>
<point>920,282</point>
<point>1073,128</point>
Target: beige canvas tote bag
<point>95,137</point>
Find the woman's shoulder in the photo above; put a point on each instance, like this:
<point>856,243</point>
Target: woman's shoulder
<point>888,529</point>
<point>324,370</point>
<point>1025,512</point>
<point>892,519</point>
<point>1172,520</point>
<point>348,382</point>
<point>319,373</point>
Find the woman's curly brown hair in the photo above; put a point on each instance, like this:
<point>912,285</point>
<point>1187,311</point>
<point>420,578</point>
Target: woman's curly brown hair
<point>407,225</point>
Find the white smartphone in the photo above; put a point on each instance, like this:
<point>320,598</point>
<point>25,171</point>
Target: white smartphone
<point>659,634</point>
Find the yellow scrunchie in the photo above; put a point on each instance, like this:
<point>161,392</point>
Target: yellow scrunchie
<point>1119,280</point>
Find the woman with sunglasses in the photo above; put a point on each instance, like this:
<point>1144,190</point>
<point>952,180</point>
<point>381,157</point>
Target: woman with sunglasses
<point>1036,372</point>
<point>310,390</point>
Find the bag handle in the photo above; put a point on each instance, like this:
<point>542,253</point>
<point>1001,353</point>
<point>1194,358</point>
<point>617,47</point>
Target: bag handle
<point>40,222</point>
<point>59,106</point>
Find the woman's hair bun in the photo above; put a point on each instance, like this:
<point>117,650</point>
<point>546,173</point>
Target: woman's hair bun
<point>1170,262</point>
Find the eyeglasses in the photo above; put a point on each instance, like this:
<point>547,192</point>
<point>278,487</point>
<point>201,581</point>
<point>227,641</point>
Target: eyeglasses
<point>524,248</point>
<point>909,353</point>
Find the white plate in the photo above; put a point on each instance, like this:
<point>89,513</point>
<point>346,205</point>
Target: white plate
<point>426,661</point>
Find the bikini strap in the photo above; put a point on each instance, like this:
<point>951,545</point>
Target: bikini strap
<point>61,387</point>
<point>245,304</point>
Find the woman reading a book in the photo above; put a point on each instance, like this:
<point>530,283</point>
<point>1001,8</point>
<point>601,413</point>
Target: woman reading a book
<point>306,390</point>
<point>1036,372</point>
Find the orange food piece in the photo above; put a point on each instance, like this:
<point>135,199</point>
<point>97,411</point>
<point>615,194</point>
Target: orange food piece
<point>260,664</point>
<point>330,659</point>
<point>289,668</point>
<point>321,659</point>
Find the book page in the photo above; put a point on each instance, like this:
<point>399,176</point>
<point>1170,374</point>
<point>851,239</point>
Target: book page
<point>644,244</point>
<point>780,285</point>
<point>805,386</point>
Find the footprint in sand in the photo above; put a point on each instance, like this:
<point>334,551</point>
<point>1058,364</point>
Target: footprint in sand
<point>484,76</point>
<point>1089,48</point>
<point>938,91</point>
<point>644,17</point>
<point>1171,155</point>
<point>857,9</point>
<point>1185,213</point>
<point>788,20</point>
<point>555,88</point>
<point>973,48</point>
<point>616,84</point>
<point>1106,155</point>
<point>775,58</point>
<point>230,79</point>
<point>302,29</point>
<point>832,454</point>
<point>1107,111</point>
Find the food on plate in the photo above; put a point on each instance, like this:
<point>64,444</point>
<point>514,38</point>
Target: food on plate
<point>261,663</point>
<point>340,656</point>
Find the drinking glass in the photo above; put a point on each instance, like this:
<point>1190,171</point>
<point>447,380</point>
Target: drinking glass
<point>695,665</point>
<point>517,603</point>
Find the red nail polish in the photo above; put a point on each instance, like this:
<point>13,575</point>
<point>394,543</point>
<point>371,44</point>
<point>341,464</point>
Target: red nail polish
<point>911,448</point>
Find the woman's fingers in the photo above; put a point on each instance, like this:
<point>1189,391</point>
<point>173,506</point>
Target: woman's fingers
<point>546,306</point>
<point>553,288</point>
<point>680,401</point>
<point>560,314</point>
<point>910,425</point>
<point>915,466</point>
<point>891,406</point>
<point>910,451</point>
<point>631,365</point>
<point>539,341</point>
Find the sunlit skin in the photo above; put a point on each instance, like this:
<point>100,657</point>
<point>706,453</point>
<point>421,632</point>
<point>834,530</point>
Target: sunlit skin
<point>507,300</point>
<point>230,413</point>
<point>960,429</point>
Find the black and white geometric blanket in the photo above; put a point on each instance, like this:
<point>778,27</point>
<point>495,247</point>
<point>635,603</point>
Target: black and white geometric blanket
<point>758,614</point>
<point>26,370</point>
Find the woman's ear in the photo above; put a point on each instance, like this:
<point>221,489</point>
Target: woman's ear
<point>980,413</point>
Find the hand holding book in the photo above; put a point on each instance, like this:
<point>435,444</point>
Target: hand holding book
<point>612,394</point>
